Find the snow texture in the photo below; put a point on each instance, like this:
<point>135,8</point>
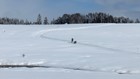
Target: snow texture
<point>102,51</point>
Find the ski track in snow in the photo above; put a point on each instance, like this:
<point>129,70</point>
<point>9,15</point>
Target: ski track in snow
<point>43,34</point>
<point>115,70</point>
<point>90,45</point>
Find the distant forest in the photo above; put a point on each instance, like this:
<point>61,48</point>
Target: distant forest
<point>75,18</point>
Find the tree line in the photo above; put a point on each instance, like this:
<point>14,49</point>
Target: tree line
<point>92,18</point>
<point>6,20</point>
<point>75,18</point>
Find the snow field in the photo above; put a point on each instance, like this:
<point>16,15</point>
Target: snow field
<point>103,51</point>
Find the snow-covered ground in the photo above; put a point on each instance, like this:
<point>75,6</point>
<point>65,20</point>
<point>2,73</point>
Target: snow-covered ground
<point>103,51</point>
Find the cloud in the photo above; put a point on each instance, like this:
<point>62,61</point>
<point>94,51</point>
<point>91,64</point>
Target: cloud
<point>29,9</point>
<point>128,8</point>
<point>20,9</point>
<point>113,2</point>
<point>130,5</point>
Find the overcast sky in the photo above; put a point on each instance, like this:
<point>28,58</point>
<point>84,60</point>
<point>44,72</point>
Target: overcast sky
<point>29,9</point>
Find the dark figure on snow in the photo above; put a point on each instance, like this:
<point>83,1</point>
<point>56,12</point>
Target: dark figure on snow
<point>72,40</point>
<point>23,55</point>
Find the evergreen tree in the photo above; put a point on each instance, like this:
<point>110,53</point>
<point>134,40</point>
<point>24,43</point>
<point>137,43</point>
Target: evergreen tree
<point>137,21</point>
<point>27,22</point>
<point>39,20</point>
<point>45,20</point>
<point>21,22</point>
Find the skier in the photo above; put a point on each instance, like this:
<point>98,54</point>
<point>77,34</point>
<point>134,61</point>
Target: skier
<point>72,40</point>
